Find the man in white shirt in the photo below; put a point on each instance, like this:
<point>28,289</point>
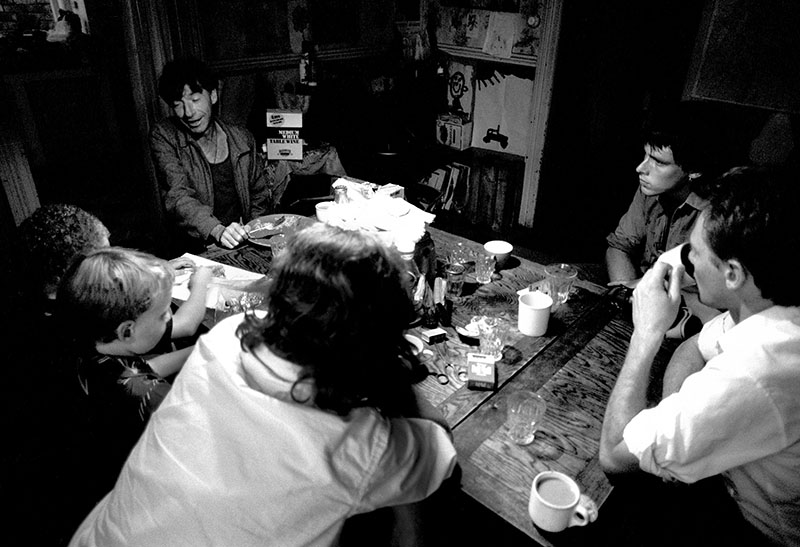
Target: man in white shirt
<point>731,394</point>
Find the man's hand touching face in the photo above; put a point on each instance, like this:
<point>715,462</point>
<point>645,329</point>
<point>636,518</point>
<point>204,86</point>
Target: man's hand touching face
<point>657,298</point>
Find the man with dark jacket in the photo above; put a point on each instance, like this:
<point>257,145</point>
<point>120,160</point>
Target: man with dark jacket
<point>211,177</point>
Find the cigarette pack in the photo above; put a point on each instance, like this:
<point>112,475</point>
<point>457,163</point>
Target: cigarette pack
<point>481,371</point>
<point>434,336</point>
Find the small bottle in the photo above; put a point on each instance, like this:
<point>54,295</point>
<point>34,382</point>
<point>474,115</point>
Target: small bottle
<point>340,194</point>
<point>413,278</point>
<point>429,319</point>
<point>308,64</point>
<point>304,60</point>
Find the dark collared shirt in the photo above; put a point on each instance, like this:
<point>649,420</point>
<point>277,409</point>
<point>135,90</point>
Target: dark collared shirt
<point>645,230</point>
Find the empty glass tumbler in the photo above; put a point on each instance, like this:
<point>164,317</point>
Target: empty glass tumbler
<point>560,278</point>
<point>525,410</point>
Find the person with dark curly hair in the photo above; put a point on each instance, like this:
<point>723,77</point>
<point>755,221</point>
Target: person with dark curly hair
<point>50,238</point>
<point>211,177</point>
<point>50,447</point>
<point>55,445</point>
<point>281,427</point>
<point>731,394</point>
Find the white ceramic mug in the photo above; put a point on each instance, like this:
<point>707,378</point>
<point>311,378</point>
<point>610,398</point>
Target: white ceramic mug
<point>556,503</point>
<point>323,209</point>
<point>680,255</point>
<point>534,313</point>
<point>500,250</point>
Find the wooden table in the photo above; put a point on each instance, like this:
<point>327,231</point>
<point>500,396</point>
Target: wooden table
<point>573,367</point>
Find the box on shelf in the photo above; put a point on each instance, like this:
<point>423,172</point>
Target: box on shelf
<point>453,131</point>
<point>284,141</point>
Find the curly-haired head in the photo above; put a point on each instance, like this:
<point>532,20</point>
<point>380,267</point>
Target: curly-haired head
<point>338,307</point>
<point>51,237</point>
<point>182,72</point>
<point>106,287</point>
<point>752,217</point>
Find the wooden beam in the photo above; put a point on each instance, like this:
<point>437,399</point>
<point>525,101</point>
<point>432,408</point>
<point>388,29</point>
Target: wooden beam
<point>540,108</point>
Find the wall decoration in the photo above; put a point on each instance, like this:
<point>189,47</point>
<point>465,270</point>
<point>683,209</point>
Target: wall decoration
<point>469,28</point>
<point>460,89</point>
<point>502,116</point>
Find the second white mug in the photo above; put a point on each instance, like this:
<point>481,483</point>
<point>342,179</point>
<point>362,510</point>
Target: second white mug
<point>534,313</point>
<point>556,503</point>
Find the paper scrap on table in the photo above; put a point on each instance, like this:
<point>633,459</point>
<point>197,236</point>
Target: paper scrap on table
<point>180,291</point>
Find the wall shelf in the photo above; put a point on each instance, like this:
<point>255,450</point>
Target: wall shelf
<point>476,54</point>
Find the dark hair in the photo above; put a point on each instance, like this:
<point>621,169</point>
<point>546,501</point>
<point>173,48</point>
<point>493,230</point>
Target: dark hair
<point>51,237</point>
<point>338,307</point>
<point>182,72</point>
<point>687,129</point>
<point>753,218</point>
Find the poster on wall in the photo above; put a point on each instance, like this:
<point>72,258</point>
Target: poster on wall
<point>502,114</point>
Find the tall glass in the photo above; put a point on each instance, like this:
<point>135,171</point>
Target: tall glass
<point>560,278</point>
<point>484,268</point>
<point>525,410</point>
<point>455,281</point>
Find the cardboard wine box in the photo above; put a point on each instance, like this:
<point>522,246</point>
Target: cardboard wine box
<point>284,139</point>
<point>453,131</point>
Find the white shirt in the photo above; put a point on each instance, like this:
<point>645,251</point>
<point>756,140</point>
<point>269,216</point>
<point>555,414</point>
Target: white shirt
<point>740,416</point>
<point>230,459</point>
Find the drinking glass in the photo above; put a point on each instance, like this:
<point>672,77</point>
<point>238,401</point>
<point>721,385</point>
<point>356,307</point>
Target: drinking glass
<point>277,243</point>
<point>525,410</point>
<point>484,268</point>
<point>490,336</point>
<point>459,254</point>
<point>455,281</point>
<point>560,278</point>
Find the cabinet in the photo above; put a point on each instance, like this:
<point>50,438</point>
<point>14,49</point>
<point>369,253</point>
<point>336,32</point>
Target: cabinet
<point>490,196</point>
<point>460,34</point>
